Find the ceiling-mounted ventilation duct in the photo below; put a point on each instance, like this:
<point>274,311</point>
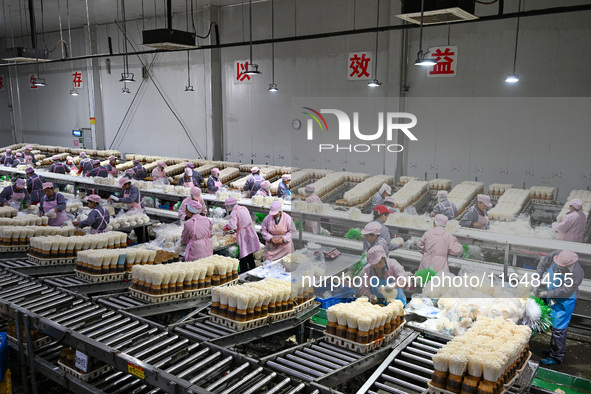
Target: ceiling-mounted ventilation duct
<point>437,11</point>
<point>168,38</point>
<point>22,54</point>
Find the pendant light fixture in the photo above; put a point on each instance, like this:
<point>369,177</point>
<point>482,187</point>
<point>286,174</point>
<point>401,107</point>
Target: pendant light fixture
<point>513,78</point>
<point>374,83</point>
<point>40,82</point>
<point>73,91</point>
<point>253,69</point>
<point>126,76</point>
<point>189,87</point>
<point>273,85</point>
<point>422,58</point>
<point>125,89</point>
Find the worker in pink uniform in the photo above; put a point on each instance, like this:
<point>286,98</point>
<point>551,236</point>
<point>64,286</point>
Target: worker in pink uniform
<point>18,160</point>
<point>195,196</point>
<point>213,182</point>
<point>253,184</point>
<point>158,174</point>
<point>436,244</point>
<point>390,203</point>
<point>98,219</point>
<point>371,237</point>
<point>131,195</point>
<point>265,189</point>
<point>312,198</point>
<point>85,165</point>
<point>573,224</point>
<point>276,230</point>
<point>381,271</point>
<point>187,179</point>
<point>476,216</point>
<point>16,195</point>
<point>53,205</point>
<point>112,166</point>
<point>380,196</point>
<point>444,206</point>
<point>246,236</point>
<point>29,157</point>
<point>197,233</point>
<point>34,185</point>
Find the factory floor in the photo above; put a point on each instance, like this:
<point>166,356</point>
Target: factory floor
<point>578,356</point>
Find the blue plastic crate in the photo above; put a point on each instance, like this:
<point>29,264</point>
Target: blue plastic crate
<point>343,294</point>
<point>165,206</point>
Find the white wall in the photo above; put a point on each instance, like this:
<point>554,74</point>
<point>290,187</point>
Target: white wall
<point>471,121</point>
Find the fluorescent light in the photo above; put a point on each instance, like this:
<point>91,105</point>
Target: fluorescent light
<point>273,87</point>
<point>127,77</point>
<point>374,83</point>
<point>40,82</point>
<point>189,88</point>
<point>74,92</point>
<point>254,70</point>
<point>513,78</point>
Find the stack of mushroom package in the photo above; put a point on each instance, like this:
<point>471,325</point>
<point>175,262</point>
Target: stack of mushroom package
<point>21,235</point>
<point>67,247</point>
<point>108,261</point>
<point>484,359</point>
<point>186,277</point>
<point>363,322</point>
<point>258,300</point>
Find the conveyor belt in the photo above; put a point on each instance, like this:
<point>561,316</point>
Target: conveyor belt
<point>171,363</point>
<point>327,364</point>
<point>407,369</point>
<point>16,263</point>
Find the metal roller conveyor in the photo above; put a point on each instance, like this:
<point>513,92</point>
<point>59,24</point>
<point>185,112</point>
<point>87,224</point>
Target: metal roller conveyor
<point>298,367</point>
<point>77,306</point>
<point>310,364</point>
<point>82,311</point>
<point>16,293</point>
<point>227,377</point>
<point>45,295</point>
<point>123,336</point>
<point>111,304</point>
<point>297,389</point>
<point>191,335</point>
<point>404,383</point>
<point>414,367</point>
<point>216,368</point>
<point>338,349</point>
<point>316,360</point>
<point>92,314</point>
<point>260,384</point>
<point>176,367</point>
<point>143,345</point>
<point>423,360</point>
<point>244,381</point>
<point>106,314</point>
<point>279,386</point>
<point>332,353</point>
<point>419,352</point>
<point>215,356</point>
<point>107,325</point>
<point>130,341</point>
<point>324,356</point>
<point>51,305</point>
<point>132,324</point>
<point>164,343</point>
<point>389,389</point>
<point>407,374</point>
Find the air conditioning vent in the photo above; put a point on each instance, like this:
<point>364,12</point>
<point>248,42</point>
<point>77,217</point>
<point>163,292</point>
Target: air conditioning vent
<point>448,15</point>
<point>25,55</point>
<point>168,39</point>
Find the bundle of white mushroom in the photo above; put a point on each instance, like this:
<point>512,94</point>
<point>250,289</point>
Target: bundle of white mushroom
<point>161,279</point>
<point>63,247</point>
<point>510,205</point>
<point>410,193</point>
<point>252,300</point>
<point>440,184</point>
<point>542,192</point>
<point>363,322</point>
<point>331,181</point>
<point>8,212</point>
<point>21,235</point>
<point>583,195</point>
<point>229,173</point>
<point>128,220</point>
<point>106,261</point>
<point>405,179</point>
<point>406,220</point>
<point>25,220</point>
<point>366,189</point>
<point>483,359</point>
<point>463,194</point>
<point>74,206</point>
<point>498,189</point>
<point>266,172</point>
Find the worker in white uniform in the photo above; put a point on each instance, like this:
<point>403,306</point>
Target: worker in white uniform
<point>573,224</point>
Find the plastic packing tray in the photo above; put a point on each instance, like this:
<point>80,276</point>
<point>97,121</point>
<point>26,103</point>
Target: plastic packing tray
<point>14,248</point>
<point>155,298</point>
<point>85,377</point>
<point>236,325</point>
<point>52,261</point>
<point>36,344</point>
<point>363,348</point>
<point>100,278</point>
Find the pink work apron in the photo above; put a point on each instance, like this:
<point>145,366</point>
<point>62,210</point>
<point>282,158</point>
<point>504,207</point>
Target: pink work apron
<point>276,251</point>
<point>103,221</point>
<point>60,215</point>
<point>133,205</point>
<point>28,159</point>
<point>17,198</point>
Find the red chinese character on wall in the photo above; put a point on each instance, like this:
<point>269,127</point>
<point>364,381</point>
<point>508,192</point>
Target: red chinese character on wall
<point>77,79</point>
<point>358,65</point>
<point>32,80</point>
<point>446,60</point>
<point>1,82</point>
<point>241,67</point>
